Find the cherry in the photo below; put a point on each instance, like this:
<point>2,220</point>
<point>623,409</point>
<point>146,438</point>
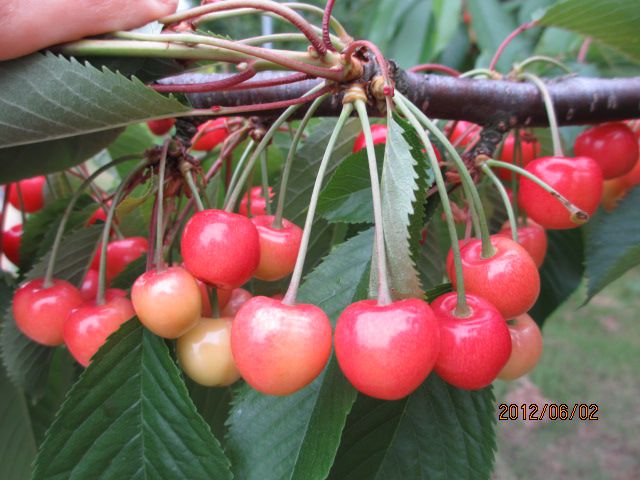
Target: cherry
<point>100,215</point>
<point>387,351</point>
<point>205,355</point>
<point>88,326</point>
<point>278,247</point>
<point>280,348</point>
<point>509,279</point>
<point>215,131</point>
<point>220,248</point>
<point>258,203</point>
<point>121,253</point>
<point>632,178</point>
<point>474,348</point>
<point>239,296</point>
<point>612,192</point>
<point>379,134</point>
<point>32,190</point>
<point>532,237</point>
<point>168,302</point>
<point>40,312</point>
<point>526,341</point>
<point>161,126</point>
<point>529,148</point>
<point>11,240</point>
<point>463,132</point>
<point>223,298</point>
<point>613,145</point>
<point>89,287</point>
<point>578,179</point>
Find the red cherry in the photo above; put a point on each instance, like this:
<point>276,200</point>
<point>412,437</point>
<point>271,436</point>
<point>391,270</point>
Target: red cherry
<point>121,253</point>
<point>162,126</point>
<point>88,326</point>
<point>613,191</point>
<point>32,190</point>
<point>220,248</point>
<point>278,247</point>
<point>509,280</point>
<point>89,287</point>
<point>613,145</point>
<point>40,311</point>
<point>223,298</point>
<point>529,148</point>
<point>379,134</point>
<point>168,302</point>
<point>239,296</point>
<point>100,214</point>
<point>532,237</point>
<point>464,131</point>
<point>632,178</point>
<point>11,243</point>
<point>473,349</point>
<point>578,179</point>
<point>387,351</point>
<point>280,348</point>
<point>215,131</point>
<point>526,341</point>
<point>258,202</point>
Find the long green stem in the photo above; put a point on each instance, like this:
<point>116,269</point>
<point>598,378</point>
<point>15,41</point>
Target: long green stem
<point>384,295</point>
<point>185,169</point>
<point>264,176</point>
<point>465,178</point>
<point>462,308</point>
<point>67,213</point>
<point>236,173</point>
<point>577,215</point>
<point>23,215</point>
<point>296,277</point>
<point>160,210</point>
<point>543,59</point>
<point>505,199</point>
<point>286,171</point>
<point>551,113</point>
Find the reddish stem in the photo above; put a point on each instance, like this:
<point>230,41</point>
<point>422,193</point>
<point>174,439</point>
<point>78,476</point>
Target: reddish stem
<point>506,41</point>
<point>153,231</point>
<point>272,82</point>
<point>384,67</point>
<point>435,67</point>
<point>326,19</point>
<point>223,84</point>
<point>584,49</point>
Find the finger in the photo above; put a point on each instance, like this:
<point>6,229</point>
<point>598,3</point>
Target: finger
<point>29,25</point>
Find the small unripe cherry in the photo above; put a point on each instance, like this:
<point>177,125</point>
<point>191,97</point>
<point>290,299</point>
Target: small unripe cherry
<point>167,301</point>
<point>379,134</point>
<point>278,247</point>
<point>40,311</point>
<point>161,126</point>
<point>613,145</point>
<point>463,132</point>
<point>526,341</point>
<point>258,203</point>
<point>613,192</point>
<point>11,240</point>
<point>532,237</point>
<point>205,355</point>
<point>32,190</point>
<point>210,134</point>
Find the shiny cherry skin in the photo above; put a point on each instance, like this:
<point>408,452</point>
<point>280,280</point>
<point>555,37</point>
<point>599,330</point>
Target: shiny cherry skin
<point>162,126</point>
<point>11,239</point>
<point>578,179</point>
<point>379,134</point>
<point>387,351</point>
<point>509,280</point>
<point>239,296</point>
<point>121,253</point>
<point>278,247</point>
<point>473,349</point>
<point>220,248</point>
<point>258,204</point>
<point>215,131</point>
<point>526,347</point>
<point>463,133</point>
<point>167,301</point>
<point>32,190</point>
<point>100,215</point>
<point>88,326</point>
<point>529,147</point>
<point>205,355</point>
<point>278,348</point>
<point>89,287</point>
<point>40,312</point>
<point>613,145</point>
<point>532,237</point>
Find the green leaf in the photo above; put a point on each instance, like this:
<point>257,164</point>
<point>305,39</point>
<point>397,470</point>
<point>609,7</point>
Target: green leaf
<point>213,405</point>
<point>612,243</point>
<point>130,416</point>
<point>408,43</point>
<point>438,432</point>
<point>447,14</point>
<point>430,260</point>
<point>296,437</point>
<point>612,22</point>
<point>135,139</point>
<point>131,272</point>
<point>48,97</point>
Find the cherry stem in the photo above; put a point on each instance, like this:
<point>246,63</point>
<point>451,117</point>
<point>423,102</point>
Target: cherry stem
<point>551,113</point>
<point>515,185</point>
<point>578,215</point>
<point>286,37</point>
<point>468,185</point>
<point>239,168</point>
<point>3,215</point>
<point>334,23</point>
<point>435,67</point>
<point>477,72</point>
<point>292,292</point>
<point>462,308</point>
<point>584,49</point>
<point>23,215</point>
<point>185,169</point>
<point>384,294</point>
<point>224,84</point>
<point>326,18</point>
<point>286,171</point>
<point>505,199</point>
<point>507,41</point>
<point>272,82</point>
<point>542,59</point>
<point>382,61</point>
<point>264,142</point>
<point>160,210</point>
<point>48,277</point>
<point>265,182</point>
